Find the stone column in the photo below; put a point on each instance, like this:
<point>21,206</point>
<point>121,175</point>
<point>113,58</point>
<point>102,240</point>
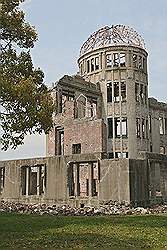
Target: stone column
<point>90,174</point>
<point>76,179</point>
<point>38,176</point>
<point>27,180</point>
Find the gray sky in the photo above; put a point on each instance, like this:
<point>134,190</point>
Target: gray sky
<point>65,24</point>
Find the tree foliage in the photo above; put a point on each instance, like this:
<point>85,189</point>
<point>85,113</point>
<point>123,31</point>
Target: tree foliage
<point>26,104</point>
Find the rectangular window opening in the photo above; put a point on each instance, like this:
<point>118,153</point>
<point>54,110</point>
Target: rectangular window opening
<point>110,128</point>
<point>140,62</point>
<point>138,128</point>
<point>161,125</point>
<point>117,128</point>
<point>134,60</point>
<point>162,150</point>
<point>123,91</point>
<point>116,91</point>
<point>141,93</point>
<point>88,66</point>
<point>125,155</point>
<point>143,128</point>
<point>117,154</point>
<point>2,179</point>
<point>124,127</point>
<point>137,92</point>
<point>33,179</point>
<point>96,63</point>
<point>59,142</point>
<point>109,60</point>
<point>76,148</point>
<point>147,129</point>
<point>122,60</point>
<point>109,92</point>
<point>92,65</point>
<point>116,60</point>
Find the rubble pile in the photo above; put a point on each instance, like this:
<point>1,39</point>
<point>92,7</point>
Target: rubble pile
<point>112,208</point>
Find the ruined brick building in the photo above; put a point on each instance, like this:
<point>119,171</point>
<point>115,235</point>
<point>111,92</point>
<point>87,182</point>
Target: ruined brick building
<point>109,140</point>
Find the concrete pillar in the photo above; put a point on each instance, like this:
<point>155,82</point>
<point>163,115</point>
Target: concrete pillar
<point>76,179</point>
<point>27,180</point>
<point>90,176</point>
<point>38,176</point>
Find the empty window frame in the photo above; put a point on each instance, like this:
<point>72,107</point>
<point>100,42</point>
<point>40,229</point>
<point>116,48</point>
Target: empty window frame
<point>59,101</point>
<point>76,148</point>
<point>60,142</point>
<point>141,93</point>
<point>89,111</point>
<point>83,180</point>
<point>143,128</point>
<point>144,64</point>
<point>115,59</point>
<point>109,92</point>
<point>125,155</point>
<point>33,180</point>
<point>64,99</point>
<point>123,91</point>
<point>150,124</point>
<point>137,92</point>
<point>109,60</point>
<point>117,127</point>
<point>70,179</point>
<point>110,127</point>
<point>82,68</point>
<point>124,127</point>
<point>161,126</point>
<point>165,126</point>
<point>94,108</point>
<point>95,175</point>
<point>134,57</point>
<point>91,108</point>
<point>145,94</point>
<point>140,62</point>
<point>117,154</point>
<point>162,150</point>
<point>92,64</point>
<point>122,60</point>
<point>116,91</point>
<point>96,63</point>
<point>88,66</point>
<point>110,155</point>
<point>147,129</point>
<point>138,128</point>
<point>80,107</point>
<point>151,147</point>
<point>2,179</point>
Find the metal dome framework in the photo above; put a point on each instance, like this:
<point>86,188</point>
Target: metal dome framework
<point>114,35</point>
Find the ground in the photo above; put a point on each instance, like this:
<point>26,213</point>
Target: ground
<point>34,231</point>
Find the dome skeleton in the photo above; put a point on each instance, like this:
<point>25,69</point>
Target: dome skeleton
<point>114,35</point>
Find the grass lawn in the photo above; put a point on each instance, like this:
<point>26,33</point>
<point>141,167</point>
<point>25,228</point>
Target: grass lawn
<point>33,231</point>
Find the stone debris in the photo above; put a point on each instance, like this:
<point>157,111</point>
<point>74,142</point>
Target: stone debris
<point>112,208</point>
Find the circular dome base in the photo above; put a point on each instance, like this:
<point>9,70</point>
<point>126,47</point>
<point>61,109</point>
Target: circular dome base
<point>114,35</point>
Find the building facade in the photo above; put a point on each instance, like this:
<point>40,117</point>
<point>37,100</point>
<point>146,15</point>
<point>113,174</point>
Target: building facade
<point>109,139</point>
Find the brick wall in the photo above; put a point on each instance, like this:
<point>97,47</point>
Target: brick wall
<point>89,133</point>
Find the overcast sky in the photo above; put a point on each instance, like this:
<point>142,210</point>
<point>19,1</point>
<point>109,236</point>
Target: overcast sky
<point>63,25</point>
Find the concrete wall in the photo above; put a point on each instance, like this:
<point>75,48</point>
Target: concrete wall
<point>139,181</point>
<point>114,180</point>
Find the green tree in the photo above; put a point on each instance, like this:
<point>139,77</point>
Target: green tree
<point>26,103</point>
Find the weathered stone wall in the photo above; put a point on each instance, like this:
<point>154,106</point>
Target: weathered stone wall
<point>141,182</point>
<point>89,133</point>
<point>114,180</point>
